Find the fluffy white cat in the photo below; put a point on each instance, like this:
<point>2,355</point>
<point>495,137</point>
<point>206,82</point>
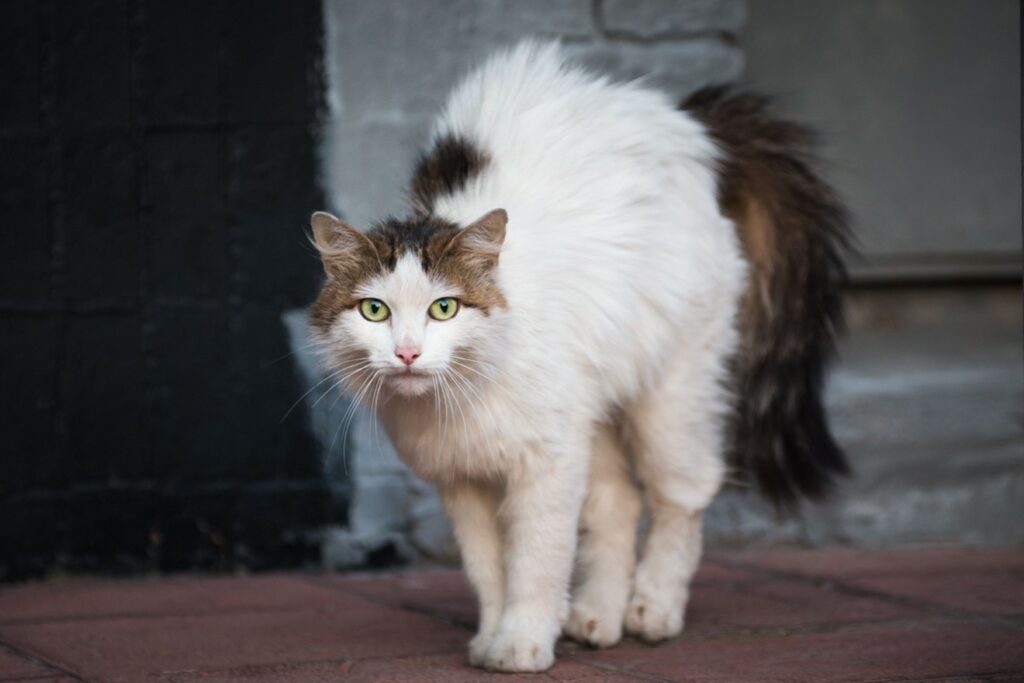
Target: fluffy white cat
<point>596,297</point>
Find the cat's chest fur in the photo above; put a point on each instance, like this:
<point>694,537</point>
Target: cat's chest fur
<point>485,438</point>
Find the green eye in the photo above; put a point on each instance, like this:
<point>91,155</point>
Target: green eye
<point>444,309</point>
<point>374,310</point>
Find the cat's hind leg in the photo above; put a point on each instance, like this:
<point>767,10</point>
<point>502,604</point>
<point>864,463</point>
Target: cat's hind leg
<point>675,434</point>
<point>606,555</point>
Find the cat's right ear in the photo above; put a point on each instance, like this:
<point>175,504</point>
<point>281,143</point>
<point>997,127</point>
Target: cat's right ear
<point>341,246</point>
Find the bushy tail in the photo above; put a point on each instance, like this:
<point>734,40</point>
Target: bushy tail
<point>794,232</point>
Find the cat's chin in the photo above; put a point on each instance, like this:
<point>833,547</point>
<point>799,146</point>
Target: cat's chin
<point>411,385</point>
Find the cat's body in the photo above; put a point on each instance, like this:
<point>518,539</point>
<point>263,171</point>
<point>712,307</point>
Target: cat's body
<point>597,320</point>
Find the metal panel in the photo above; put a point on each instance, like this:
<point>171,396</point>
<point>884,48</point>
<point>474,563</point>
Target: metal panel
<point>919,101</point>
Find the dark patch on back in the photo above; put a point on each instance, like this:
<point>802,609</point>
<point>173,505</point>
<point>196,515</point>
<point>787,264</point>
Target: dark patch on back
<point>451,162</point>
<point>794,232</point>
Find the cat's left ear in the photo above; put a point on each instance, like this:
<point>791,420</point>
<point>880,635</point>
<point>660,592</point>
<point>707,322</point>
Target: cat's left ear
<point>481,240</point>
<point>343,249</point>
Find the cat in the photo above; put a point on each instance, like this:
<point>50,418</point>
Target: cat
<point>597,300</point>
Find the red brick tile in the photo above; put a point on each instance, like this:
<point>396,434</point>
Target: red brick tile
<point>179,595</point>
<point>993,592</point>
<point>781,604</point>
<point>744,623</point>
<point>13,667</point>
<point>304,672</point>
<point>445,592</point>
<point>849,562</point>
<point>713,572</point>
<point>454,669</point>
<point>975,579</point>
<point>135,648</point>
<point>875,652</point>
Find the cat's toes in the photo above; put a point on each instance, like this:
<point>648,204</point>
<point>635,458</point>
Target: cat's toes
<point>594,627</point>
<point>519,652</point>
<point>653,620</point>
<point>478,648</point>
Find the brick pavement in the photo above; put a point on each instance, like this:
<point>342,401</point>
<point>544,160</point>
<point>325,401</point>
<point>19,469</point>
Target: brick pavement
<point>931,614</point>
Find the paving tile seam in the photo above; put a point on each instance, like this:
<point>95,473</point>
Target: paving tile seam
<point>852,589</point>
<point>987,676</point>
<point>112,616</point>
<point>758,634</point>
<point>255,669</point>
<point>405,607</point>
<point>822,628</point>
<point>55,667</point>
<point>1014,571</point>
<point>611,668</point>
<point>869,576</point>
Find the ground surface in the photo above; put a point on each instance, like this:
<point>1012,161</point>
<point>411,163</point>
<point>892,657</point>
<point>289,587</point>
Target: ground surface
<point>932,614</point>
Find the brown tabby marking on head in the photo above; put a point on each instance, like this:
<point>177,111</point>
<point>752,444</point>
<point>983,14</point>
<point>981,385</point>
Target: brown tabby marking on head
<point>469,260</point>
<point>464,258</point>
<point>349,258</point>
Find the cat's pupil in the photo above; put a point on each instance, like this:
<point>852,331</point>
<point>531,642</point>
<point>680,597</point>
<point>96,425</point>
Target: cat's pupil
<point>443,305</point>
<point>374,307</point>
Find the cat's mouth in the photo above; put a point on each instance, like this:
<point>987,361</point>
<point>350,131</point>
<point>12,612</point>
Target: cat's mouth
<point>410,372</point>
<point>411,382</point>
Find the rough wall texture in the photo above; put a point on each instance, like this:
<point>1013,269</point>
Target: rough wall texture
<point>157,161</point>
<point>390,63</point>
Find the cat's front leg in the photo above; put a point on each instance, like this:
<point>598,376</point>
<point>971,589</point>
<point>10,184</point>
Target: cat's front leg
<point>540,515</point>
<point>473,510</point>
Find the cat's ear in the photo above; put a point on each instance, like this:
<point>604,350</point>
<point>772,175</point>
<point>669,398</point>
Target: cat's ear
<point>340,245</point>
<point>481,240</point>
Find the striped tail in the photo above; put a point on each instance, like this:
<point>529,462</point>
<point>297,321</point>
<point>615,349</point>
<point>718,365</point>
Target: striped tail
<point>794,232</point>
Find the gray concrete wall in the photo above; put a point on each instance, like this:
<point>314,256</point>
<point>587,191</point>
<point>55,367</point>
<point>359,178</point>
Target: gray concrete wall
<point>920,104</point>
<point>390,64</point>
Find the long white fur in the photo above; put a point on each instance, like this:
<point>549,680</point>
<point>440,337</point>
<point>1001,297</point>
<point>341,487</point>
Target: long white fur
<point>622,280</point>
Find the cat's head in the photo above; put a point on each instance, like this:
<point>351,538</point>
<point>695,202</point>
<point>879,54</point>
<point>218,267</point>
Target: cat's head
<point>409,303</point>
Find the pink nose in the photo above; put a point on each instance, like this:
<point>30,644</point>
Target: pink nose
<point>408,354</point>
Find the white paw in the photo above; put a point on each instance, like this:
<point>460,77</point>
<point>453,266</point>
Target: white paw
<point>654,620</point>
<point>594,626</point>
<point>478,648</point>
<point>518,650</point>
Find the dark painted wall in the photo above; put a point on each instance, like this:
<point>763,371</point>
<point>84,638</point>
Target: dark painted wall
<point>156,171</point>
